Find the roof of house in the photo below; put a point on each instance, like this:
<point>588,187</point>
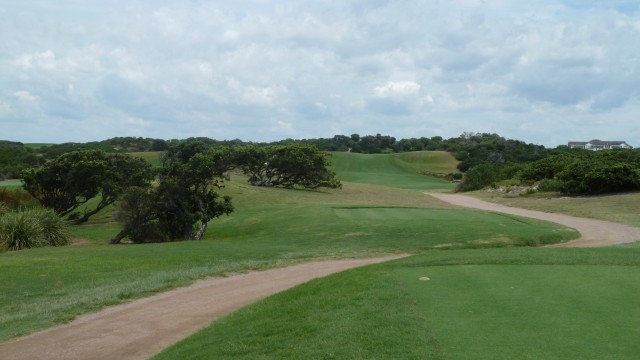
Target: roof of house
<point>599,142</point>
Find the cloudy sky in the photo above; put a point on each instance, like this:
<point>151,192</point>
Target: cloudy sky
<point>541,71</point>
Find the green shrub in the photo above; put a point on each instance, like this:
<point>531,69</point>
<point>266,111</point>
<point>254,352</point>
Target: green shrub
<point>480,176</point>
<point>549,185</point>
<point>586,177</point>
<point>54,229</point>
<point>17,198</point>
<point>20,230</point>
<point>32,228</point>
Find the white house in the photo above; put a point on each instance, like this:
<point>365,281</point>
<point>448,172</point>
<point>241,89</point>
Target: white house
<point>596,145</point>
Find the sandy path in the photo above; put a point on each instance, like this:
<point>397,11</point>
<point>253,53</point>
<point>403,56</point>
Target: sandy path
<point>142,328</point>
<point>594,232</point>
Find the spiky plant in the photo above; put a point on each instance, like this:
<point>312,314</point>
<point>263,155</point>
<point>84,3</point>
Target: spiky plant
<point>20,230</point>
<point>54,229</point>
<point>32,228</point>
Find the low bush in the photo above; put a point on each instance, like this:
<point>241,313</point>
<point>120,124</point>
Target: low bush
<point>31,228</point>
<point>549,185</point>
<point>587,178</point>
<point>480,176</point>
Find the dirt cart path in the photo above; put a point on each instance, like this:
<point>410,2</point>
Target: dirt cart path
<point>142,328</point>
<point>594,232</point>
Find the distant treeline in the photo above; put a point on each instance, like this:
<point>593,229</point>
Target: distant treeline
<point>470,148</point>
<point>486,159</point>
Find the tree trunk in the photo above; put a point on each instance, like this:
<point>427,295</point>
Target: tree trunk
<point>203,228</point>
<point>121,235</point>
<point>88,214</point>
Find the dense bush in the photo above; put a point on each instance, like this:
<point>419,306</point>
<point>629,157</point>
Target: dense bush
<point>586,172</point>
<point>480,176</point>
<point>550,185</point>
<point>32,228</point>
<point>587,177</point>
<point>546,168</point>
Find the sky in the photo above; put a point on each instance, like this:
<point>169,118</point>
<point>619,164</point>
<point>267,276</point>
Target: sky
<point>541,71</point>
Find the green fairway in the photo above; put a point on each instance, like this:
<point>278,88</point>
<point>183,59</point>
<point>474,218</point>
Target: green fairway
<point>395,170</point>
<point>516,303</point>
<point>270,227</point>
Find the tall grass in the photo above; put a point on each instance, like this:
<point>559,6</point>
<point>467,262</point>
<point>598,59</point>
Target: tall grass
<point>32,228</point>
<point>15,198</point>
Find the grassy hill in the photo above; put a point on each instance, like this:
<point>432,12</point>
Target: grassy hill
<point>395,170</point>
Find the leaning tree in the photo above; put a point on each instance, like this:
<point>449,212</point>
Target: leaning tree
<point>185,198</point>
<point>287,166</point>
<point>71,180</point>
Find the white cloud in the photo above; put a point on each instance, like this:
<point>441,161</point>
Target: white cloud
<point>25,96</point>
<point>43,60</point>
<point>239,68</point>
<point>268,96</point>
<point>396,89</point>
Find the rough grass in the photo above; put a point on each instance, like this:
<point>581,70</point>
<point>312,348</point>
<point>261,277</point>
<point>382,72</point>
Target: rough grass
<point>622,208</point>
<point>439,162</point>
<point>517,303</point>
<point>11,184</point>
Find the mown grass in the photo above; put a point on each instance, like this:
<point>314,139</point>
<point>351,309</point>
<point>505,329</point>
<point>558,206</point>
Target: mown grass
<point>622,208</point>
<point>517,303</point>
<point>270,227</point>
<point>394,170</point>
<point>78,279</point>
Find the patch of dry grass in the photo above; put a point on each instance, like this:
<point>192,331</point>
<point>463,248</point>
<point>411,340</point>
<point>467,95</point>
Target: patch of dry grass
<point>621,208</point>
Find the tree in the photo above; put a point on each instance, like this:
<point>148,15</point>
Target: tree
<point>71,180</point>
<point>137,211</point>
<point>287,166</point>
<point>185,200</point>
<point>194,172</point>
<point>67,182</point>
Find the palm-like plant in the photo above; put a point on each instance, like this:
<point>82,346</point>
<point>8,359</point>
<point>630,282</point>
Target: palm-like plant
<point>31,228</point>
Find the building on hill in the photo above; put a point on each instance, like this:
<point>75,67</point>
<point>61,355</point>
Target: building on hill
<point>596,145</point>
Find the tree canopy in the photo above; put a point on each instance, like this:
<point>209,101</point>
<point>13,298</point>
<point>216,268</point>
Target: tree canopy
<point>72,179</point>
<point>287,166</point>
<point>185,200</point>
